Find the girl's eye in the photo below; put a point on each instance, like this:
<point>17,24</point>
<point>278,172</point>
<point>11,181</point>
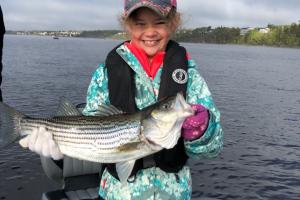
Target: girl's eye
<point>139,24</point>
<point>160,22</point>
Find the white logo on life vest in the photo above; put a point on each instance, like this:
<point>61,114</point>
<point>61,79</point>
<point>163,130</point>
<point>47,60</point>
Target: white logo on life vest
<point>180,76</point>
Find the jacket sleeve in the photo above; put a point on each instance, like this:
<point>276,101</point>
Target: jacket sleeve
<point>97,93</point>
<point>211,142</point>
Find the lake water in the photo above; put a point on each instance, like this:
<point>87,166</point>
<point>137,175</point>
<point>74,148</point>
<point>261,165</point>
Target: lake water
<point>257,90</point>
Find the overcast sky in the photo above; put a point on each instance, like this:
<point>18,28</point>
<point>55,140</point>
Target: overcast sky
<point>103,14</point>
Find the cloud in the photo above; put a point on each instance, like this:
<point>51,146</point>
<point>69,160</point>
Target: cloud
<point>103,14</point>
<point>240,12</point>
<point>60,14</point>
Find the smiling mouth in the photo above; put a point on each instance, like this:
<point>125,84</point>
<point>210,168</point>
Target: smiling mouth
<point>150,43</point>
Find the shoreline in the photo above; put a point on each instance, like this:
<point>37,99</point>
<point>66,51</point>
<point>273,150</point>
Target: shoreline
<point>180,41</point>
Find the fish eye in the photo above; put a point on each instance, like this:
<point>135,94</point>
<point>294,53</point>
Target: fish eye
<point>166,106</point>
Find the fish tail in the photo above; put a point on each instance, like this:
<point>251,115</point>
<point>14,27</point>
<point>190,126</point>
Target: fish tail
<point>9,125</point>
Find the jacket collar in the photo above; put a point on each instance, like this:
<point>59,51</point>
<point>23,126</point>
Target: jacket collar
<point>133,63</point>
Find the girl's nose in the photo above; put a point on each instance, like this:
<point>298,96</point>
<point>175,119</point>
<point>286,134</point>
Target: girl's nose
<point>150,31</point>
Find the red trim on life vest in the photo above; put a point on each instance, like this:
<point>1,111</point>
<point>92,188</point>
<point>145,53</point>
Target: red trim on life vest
<point>103,183</point>
<point>150,68</point>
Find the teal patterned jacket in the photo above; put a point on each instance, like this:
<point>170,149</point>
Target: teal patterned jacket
<point>154,183</point>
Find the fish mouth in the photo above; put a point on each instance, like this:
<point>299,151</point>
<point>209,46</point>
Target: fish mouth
<point>180,103</point>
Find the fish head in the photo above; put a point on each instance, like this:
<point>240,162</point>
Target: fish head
<point>163,126</point>
<point>171,110</point>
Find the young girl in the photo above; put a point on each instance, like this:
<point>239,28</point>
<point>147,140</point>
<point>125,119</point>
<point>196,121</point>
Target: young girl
<point>135,75</point>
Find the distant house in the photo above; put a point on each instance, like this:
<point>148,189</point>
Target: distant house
<point>244,31</point>
<point>264,30</point>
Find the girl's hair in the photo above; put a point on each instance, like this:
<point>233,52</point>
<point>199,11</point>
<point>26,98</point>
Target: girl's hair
<point>173,19</point>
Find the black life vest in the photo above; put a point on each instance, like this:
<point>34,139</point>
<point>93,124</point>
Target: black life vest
<point>122,95</point>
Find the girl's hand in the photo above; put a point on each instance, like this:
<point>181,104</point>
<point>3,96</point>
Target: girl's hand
<point>193,127</point>
<point>41,141</point>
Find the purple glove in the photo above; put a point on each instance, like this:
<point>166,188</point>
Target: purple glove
<point>193,127</point>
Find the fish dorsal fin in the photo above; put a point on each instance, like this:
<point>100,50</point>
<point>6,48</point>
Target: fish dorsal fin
<point>124,170</point>
<point>66,108</point>
<point>107,110</point>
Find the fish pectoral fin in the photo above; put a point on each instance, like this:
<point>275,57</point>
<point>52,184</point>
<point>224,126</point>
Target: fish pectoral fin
<point>124,170</point>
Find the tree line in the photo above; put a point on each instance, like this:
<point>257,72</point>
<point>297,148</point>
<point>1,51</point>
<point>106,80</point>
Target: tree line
<point>273,35</point>
<point>286,35</point>
<point>283,35</point>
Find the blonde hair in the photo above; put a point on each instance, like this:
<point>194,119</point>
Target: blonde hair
<point>173,19</point>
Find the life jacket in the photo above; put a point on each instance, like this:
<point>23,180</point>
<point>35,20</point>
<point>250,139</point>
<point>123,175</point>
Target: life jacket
<point>121,87</point>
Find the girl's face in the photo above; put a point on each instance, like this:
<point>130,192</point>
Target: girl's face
<point>149,31</point>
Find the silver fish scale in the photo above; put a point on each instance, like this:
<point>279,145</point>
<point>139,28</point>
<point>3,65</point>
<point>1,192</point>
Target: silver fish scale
<point>89,132</point>
<point>108,155</point>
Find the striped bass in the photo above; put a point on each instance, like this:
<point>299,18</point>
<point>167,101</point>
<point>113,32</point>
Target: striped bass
<point>109,137</point>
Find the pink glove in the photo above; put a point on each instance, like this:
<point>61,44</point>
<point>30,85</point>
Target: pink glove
<point>193,127</point>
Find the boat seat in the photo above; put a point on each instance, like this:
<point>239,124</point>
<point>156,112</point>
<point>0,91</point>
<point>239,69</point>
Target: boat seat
<point>79,179</point>
<point>91,194</point>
